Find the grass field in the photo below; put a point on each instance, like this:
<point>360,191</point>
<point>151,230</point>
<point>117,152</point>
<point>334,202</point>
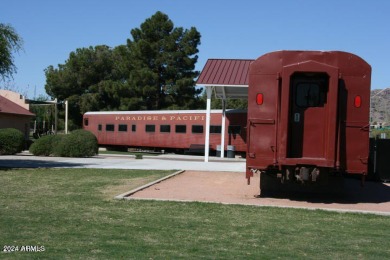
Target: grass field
<point>71,213</point>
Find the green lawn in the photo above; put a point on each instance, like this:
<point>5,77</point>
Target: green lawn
<point>72,214</point>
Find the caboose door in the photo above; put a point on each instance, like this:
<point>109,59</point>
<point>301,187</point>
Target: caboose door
<point>309,114</point>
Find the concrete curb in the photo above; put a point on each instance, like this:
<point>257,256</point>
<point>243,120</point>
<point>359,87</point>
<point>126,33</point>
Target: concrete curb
<point>129,193</point>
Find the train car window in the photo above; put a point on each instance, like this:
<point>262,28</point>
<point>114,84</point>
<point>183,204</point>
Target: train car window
<point>234,129</point>
<point>86,121</point>
<point>197,129</point>
<point>99,127</point>
<point>133,128</point>
<point>110,127</point>
<point>180,129</point>
<point>310,90</point>
<point>122,128</point>
<point>215,129</point>
<point>165,128</point>
<point>150,128</point>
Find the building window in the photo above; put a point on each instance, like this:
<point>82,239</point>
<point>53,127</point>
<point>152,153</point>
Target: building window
<point>150,128</point>
<point>122,128</point>
<point>99,127</point>
<point>110,127</point>
<point>234,129</point>
<point>133,128</point>
<point>197,129</point>
<point>215,129</point>
<point>165,128</point>
<point>181,129</point>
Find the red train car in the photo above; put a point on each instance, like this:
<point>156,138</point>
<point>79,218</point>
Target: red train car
<point>308,117</point>
<point>168,130</point>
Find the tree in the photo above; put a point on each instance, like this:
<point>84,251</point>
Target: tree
<point>154,70</point>
<point>10,42</point>
<point>163,59</point>
<point>91,79</point>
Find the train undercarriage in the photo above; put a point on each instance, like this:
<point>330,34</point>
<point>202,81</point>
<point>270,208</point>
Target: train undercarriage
<point>300,179</point>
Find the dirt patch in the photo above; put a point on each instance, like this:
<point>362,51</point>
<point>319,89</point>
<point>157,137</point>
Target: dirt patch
<point>231,188</point>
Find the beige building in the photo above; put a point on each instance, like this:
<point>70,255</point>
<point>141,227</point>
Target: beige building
<point>14,112</point>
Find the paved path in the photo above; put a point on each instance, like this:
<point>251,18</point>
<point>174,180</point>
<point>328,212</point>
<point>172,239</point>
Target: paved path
<point>161,162</point>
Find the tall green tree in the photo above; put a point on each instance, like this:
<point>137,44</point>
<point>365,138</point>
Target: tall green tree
<point>154,70</point>
<point>88,80</point>
<point>163,59</point>
<point>10,42</point>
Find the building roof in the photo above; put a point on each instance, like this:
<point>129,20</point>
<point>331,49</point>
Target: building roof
<point>229,77</point>
<point>9,107</point>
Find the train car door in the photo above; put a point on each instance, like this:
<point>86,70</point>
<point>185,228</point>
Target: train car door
<point>309,114</point>
<point>308,120</point>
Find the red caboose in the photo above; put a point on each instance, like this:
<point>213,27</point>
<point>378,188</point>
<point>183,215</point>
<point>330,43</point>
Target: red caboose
<point>308,116</point>
<point>176,130</point>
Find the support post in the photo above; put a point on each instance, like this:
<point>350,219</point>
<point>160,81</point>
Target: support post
<point>56,115</point>
<point>66,116</point>
<point>223,128</point>
<point>207,130</point>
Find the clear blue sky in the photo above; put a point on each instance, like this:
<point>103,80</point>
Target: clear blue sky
<point>230,29</point>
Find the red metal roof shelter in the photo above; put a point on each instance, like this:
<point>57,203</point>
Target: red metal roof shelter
<point>229,79</point>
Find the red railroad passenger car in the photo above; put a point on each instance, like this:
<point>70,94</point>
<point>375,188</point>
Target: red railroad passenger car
<point>308,117</point>
<point>175,130</point>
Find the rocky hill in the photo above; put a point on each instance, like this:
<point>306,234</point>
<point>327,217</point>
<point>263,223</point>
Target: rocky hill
<point>380,106</point>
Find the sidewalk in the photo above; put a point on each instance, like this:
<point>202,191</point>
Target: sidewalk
<point>105,161</point>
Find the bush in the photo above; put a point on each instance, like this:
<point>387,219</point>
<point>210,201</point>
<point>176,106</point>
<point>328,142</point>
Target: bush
<point>79,143</point>
<point>44,146</point>
<point>11,141</point>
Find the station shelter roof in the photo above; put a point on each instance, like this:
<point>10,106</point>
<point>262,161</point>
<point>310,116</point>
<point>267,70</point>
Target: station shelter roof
<point>228,77</point>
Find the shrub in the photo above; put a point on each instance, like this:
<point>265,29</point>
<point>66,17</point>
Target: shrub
<point>11,141</point>
<point>45,145</point>
<point>79,143</point>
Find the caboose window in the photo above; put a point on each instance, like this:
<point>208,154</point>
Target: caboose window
<point>197,129</point>
<point>150,128</point>
<point>122,128</point>
<point>181,129</point>
<point>215,129</point>
<point>165,128</point>
<point>133,128</point>
<point>86,121</point>
<point>110,127</point>
<point>310,89</point>
<point>308,95</point>
<point>99,127</point>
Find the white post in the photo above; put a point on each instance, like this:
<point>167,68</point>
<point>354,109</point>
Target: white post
<point>207,130</point>
<point>223,128</point>
<point>56,117</point>
<point>66,116</point>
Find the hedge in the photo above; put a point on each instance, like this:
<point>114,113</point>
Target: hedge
<point>44,146</point>
<point>79,143</point>
<point>11,141</point>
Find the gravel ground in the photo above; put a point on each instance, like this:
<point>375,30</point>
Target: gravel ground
<point>231,188</point>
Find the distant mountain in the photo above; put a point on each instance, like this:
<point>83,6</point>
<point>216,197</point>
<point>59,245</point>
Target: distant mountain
<point>380,106</point>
